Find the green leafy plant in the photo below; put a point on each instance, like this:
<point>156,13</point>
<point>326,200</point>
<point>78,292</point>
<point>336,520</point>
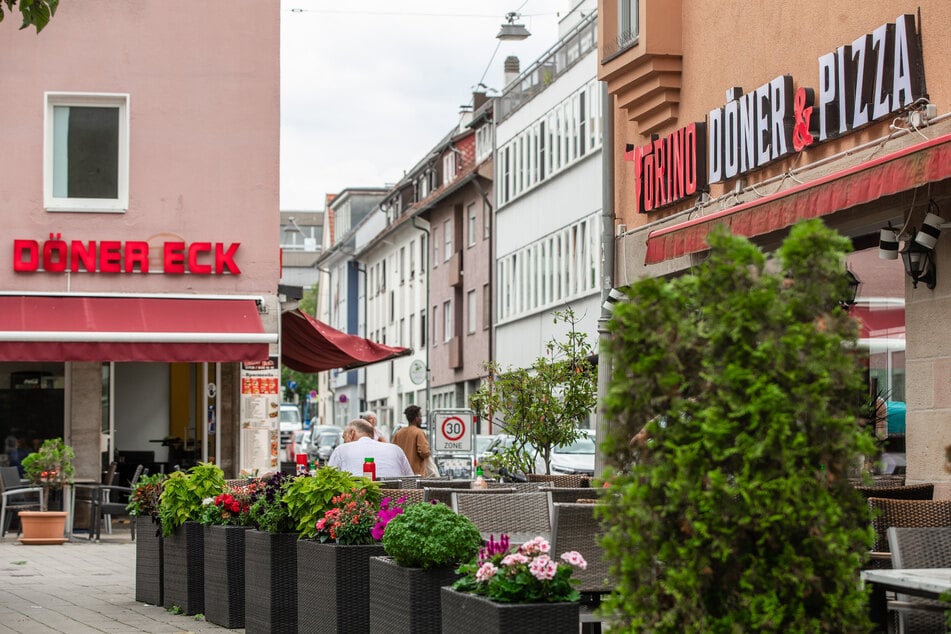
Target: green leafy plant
<point>50,467</point>
<point>733,423</point>
<point>183,493</point>
<point>544,405</point>
<point>36,13</point>
<point>145,495</point>
<point>431,536</point>
<point>268,511</point>
<point>527,574</point>
<point>308,497</point>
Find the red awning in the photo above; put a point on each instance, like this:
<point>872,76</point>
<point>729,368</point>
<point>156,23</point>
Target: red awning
<point>309,345</point>
<point>887,321</point>
<point>916,165</point>
<point>159,329</point>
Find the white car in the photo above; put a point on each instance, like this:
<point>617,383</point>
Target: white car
<point>299,445</point>
<point>290,422</point>
<point>576,458</point>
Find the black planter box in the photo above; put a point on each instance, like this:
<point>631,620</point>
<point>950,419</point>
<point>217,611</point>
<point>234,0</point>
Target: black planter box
<point>148,561</point>
<point>270,582</point>
<point>184,574</point>
<point>333,587</point>
<point>406,599</point>
<point>224,575</point>
<point>464,613</point>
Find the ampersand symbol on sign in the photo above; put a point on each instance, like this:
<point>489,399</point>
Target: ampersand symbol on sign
<point>802,109</point>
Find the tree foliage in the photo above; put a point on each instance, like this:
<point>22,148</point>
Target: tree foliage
<point>733,412</point>
<point>35,13</point>
<point>541,406</point>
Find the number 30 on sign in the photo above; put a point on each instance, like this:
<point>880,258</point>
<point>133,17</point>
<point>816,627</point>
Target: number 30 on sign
<point>454,432</point>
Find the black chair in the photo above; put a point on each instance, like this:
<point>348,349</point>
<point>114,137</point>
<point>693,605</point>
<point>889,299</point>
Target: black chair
<point>110,501</point>
<point>17,496</point>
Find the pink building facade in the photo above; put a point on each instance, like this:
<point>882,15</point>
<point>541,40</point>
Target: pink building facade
<point>139,263</point>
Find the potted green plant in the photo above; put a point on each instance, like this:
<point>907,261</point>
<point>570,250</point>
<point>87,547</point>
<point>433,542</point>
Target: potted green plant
<point>180,506</point>
<point>335,514</point>
<point>507,589</point>
<point>226,518</point>
<point>144,509</point>
<point>50,467</point>
<point>424,545</point>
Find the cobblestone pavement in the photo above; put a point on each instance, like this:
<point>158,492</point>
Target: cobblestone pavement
<point>80,587</point>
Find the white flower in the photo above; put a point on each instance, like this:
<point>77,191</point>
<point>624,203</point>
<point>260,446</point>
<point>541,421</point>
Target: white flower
<point>543,568</point>
<point>207,501</point>
<point>486,571</point>
<point>574,558</point>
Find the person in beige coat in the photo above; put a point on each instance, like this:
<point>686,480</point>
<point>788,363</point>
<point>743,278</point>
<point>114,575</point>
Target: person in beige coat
<point>412,440</point>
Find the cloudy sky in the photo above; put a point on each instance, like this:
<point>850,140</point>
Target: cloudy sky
<point>369,86</point>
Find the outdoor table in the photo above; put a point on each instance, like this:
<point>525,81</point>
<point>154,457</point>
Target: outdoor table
<point>928,583</point>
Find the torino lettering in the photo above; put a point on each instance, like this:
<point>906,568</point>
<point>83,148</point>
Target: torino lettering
<point>56,255</point>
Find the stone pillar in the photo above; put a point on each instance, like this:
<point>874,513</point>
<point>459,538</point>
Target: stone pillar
<point>84,413</point>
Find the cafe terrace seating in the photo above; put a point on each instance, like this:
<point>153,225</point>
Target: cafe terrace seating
<point>887,513</point>
<point>444,495</point>
<point>17,496</point>
<point>919,548</point>
<point>521,516</point>
<point>923,491</point>
<point>576,527</point>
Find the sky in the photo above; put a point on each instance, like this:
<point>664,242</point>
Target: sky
<point>368,87</point>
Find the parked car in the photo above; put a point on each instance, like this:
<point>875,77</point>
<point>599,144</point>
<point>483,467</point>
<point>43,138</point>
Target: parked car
<point>482,442</point>
<point>576,458</point>
<point>298,445</point>
<point>290,422</point>
<point>324,445</point>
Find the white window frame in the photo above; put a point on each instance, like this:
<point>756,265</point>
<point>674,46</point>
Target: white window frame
<point>471,307</point>
<point>472,224</point>
<point>120,204</point>
<point>447,230</point>
<point>447,320</point>
<point>449,166</point>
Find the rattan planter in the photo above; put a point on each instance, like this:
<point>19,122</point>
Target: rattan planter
<point>148,561</point>
<point>224,575</point>
<point>184,573</point>
<point>406,599</point>
<point>464,613</point>
<point>333,584</point>
<point>270,582</point>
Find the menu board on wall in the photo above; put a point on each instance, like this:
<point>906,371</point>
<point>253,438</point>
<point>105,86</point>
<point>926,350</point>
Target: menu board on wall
<point>260,416</point>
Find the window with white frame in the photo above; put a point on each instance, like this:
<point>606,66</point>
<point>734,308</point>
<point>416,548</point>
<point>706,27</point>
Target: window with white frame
<point>447,320</point>
<point>422,328</point>
<point>484,142</point>
<point>86,152</point>
<point>471,312</point>
<point>412,259</point>
<point>435,322</point>
<point>435,250</point>
<point>560,267</point>
<point>402,264</point>
<point>552,143</point>
<point>627,23</point>
<point>447,234</point>
<point>411,333</point>
<point>471,210</point>
<point>449,166</point>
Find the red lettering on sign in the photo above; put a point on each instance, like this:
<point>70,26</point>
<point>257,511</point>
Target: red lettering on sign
<point>194,250</point>
<point>26,255</point>
<point>80,253</point>
<point>55,254</point>
<point>225,259</point>
<point>137,253</point>
<point>173,257</point>
<point>110,256</point>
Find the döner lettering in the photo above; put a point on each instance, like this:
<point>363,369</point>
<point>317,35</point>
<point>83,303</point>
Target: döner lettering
<point>56,255</point>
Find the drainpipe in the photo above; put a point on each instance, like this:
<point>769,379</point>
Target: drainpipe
<point>429,323</point>
<point>607,264</point>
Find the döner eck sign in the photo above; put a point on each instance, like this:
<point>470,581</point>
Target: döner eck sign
<point>874,76</point>
<point>56,255</point>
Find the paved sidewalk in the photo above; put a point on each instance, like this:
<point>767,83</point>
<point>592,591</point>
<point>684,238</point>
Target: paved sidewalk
<point>78,588</point>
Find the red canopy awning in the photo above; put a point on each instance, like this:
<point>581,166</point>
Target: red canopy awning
<point>159,329</point>
<point>916,165</point>
<point>309,345</point>
<point>877,322</point>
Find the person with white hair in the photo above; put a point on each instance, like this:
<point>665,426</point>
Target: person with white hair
<point>370,417</point>
<point>358,445</point>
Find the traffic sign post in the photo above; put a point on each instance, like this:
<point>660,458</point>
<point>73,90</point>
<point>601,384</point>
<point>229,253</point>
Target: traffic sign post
<point>452,440</point>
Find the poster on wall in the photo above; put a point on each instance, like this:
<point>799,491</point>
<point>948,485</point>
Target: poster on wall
<point>260,416</point>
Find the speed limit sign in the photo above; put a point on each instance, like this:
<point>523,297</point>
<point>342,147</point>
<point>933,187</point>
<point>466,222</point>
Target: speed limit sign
<point>453,431</point>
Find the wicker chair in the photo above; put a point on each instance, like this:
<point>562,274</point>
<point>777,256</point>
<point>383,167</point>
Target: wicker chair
<point>567,481</point>
<point>880,481</point>
<point>575,527</point>
<point>445,495</point>
<point>521,516</point>
<point>432,483</point>
<point>887,513</point>
<point>413,496</point>
<point>570,495</point>
<point>910,492</point>
<point>389,484</point>
<point>919,548</point>
<point>408,483</point>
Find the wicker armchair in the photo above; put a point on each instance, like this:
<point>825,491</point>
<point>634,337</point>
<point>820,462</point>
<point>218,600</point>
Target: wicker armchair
<point>919,548</point>
<point>413,496</point>
<point>566,481</point>
<point>521,516</point>
<point>887,513</point>
<point>910,492</point>
<point>444,495</point>
<point>432,483</point>
<point>569,495</point>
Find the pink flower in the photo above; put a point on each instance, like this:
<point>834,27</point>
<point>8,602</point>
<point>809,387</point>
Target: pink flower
<point>486,571</point>
<point>535,546</point>
<point>543,568</point>
<point>574,558</point>
<point>514,559</point>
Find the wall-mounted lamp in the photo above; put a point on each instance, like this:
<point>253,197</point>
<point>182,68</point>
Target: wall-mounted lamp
<point>919,262</point>
<point>511,31</point>
<point>853,291</point>
<point>918,254</point>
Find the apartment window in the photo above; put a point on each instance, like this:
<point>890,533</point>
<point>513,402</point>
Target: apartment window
<point>412,259</point>
<point>486,316</point>
<point>447,230</point>
<point>627,23</point>
<point>411,333</point>
<point>422,329</point>
<point>435,322</point>
<point>449,166</point>
<point>472,224</point>
<point>435,249</point>
<point>471,316</point>
<point>86,155</point>
<point>402,332</point>
<point>486,222</point>
<point>422,254</point>
<point>447,320</point>
<point>392,307</point>
<point>402,264</point>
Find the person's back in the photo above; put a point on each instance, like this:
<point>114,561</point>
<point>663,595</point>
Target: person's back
<point>358,445</point>
<point>412,440</point>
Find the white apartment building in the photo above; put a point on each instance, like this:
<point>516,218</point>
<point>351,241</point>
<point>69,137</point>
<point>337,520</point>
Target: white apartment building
<point>548,194</point>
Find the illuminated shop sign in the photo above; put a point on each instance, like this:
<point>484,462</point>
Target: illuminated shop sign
<point>876,75</point>
<point>56,255</point>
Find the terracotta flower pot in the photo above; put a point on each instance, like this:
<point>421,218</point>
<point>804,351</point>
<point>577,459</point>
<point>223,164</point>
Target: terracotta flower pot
<point>43,527</point>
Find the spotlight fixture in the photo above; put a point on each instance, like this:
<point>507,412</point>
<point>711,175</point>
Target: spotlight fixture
<point>511,31</point>
<point>919,262</point>
<point>930,228</point>
<point>888,244</point>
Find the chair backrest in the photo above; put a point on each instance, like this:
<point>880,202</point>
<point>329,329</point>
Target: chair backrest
<point>921,547</point>
<point>887,513</point>
<point>408,482</point>
<point>136,475</point>
<point>389,484</point>
<point>558,480</point>
<point>880,481</point>
<point>575,527</point>
<point>432,483</point>
<point>521,516</point>
<point>11,478</point>
<point>565,494</point>
<point>109,475</point>
<point>413,496</point>
<point>923,491</point>
<point>445,495</point>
